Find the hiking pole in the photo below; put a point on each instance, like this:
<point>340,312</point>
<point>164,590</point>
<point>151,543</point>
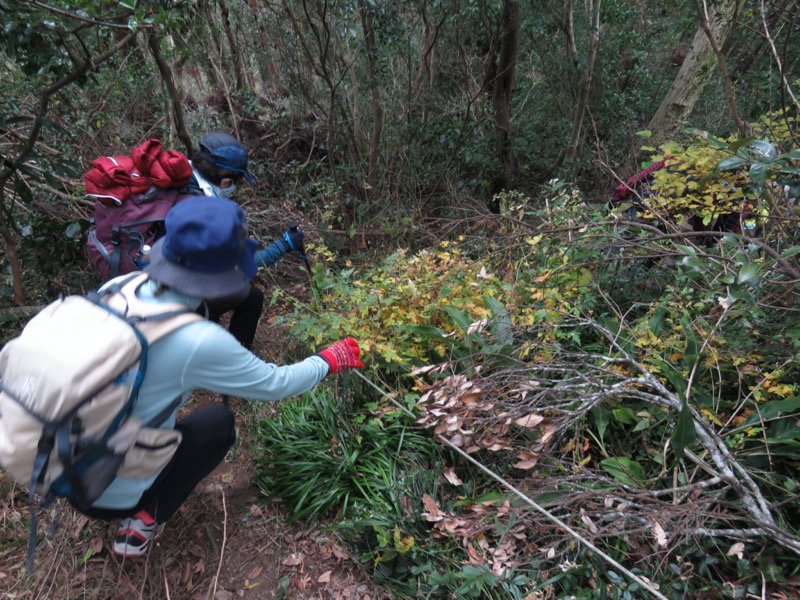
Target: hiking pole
<point>301,250</point>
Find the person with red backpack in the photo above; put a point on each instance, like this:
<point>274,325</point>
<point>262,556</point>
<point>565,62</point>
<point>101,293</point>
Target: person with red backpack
<point>218,167</point>
<point>205,255</point>
<point>133,195</point>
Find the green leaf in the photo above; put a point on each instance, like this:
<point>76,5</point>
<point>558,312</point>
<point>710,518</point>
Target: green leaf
<point>734,147</point>
<point>692,347</point>
<point>685,432</point>
<point>749,274</point>
<point>283,588</point>
<point>656,322</point>
<point>73,231</point>
<point>692,262</point>
<point>601,419</point>
<point>460,318</point>
<point>500,325</point>
<point>717,143</point>
<point>730,164</point>
<point>624,415</point>
<point>644,421</point>
<point>774,408</point>
<point>793,155</point>
<point>687,250</point>
<point>759,173</point>
<point>646,134</point>
<point>426,330</point>
<point>624,470</point>
<point>790,252</point>
<point>762,151</point>
<point>675,377</point>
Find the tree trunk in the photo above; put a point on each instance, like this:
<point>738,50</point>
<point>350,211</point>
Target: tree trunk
<point>233,47</point>
<point>175,96</point>
<point>693,75</point>
<point>377,109</point>
<point>586,72</point>
<point>426,72</point>
<point>705,23</point>
<point>503,87</point>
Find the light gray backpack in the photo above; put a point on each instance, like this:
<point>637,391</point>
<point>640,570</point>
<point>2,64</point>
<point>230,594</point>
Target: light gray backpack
<point>68,385</point>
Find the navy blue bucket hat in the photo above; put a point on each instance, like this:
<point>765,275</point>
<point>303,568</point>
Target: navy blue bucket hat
<point>206,252</point>
<point>227,153</point>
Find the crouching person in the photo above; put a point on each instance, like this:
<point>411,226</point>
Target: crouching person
<point>206,254</point>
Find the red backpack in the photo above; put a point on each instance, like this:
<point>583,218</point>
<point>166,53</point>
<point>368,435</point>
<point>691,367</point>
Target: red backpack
<point>133,196</point>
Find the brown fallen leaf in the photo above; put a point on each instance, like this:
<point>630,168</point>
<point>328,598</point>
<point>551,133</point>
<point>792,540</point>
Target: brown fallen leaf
<point>80,523</point>
<point>425,369</point>
<point>450,475</point>
<point>293,560</point>
<point>325,577</point>
<point>736,550</point>
<point>430,505</point>
<point>255,573</point>
<point>528,421</point>
<point>470,397</point>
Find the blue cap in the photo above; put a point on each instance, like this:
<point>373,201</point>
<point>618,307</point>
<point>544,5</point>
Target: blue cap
<point>206,252</point>
<point>227,152</point>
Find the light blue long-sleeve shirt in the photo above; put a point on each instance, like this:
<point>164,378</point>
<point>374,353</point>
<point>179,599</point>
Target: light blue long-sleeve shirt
<point>203,355</point>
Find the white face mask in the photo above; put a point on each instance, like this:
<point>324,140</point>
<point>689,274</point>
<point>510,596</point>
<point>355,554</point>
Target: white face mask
<point>223,192</point>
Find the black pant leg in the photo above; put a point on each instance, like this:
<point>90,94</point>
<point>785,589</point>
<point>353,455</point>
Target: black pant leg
<point>246,315</point>
<point>246,309</point>
<point>208,434</point>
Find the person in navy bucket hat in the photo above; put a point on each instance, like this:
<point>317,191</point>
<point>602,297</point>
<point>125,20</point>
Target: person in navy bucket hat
<point>220,164</point>
<point>226,152</point>
<point>206,253</point>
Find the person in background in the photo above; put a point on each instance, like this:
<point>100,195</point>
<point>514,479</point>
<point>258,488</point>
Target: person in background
<point>205,255</point>
<point>219,167</point>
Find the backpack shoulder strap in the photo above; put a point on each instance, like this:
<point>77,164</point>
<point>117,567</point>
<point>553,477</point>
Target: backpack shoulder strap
<point>154,320</point>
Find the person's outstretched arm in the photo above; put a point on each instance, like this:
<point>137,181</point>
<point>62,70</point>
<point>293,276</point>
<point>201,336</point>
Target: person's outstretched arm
<point>292,240</point>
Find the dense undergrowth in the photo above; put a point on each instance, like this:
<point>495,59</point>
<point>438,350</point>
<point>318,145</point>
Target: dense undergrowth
<point>638,384</point>
<point>636,379</point>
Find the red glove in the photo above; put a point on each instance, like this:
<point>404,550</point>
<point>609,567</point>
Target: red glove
<point>342,355</point>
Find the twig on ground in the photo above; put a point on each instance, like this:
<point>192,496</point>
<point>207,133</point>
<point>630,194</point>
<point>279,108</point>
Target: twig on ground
<point>222,548</point>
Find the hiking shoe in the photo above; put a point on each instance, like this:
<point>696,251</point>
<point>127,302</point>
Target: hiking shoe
<point>135,534</point>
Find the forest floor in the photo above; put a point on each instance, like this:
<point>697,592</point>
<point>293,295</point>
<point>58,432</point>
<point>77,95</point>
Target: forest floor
<point>224,543</point>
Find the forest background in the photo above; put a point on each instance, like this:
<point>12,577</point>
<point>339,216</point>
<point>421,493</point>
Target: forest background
<point>563,397</point>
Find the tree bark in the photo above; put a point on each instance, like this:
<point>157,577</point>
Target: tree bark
<point>586,72</point>
<point>377,109</point>
<point>693,75</point>
<point>236,58</point>
<point>502,90</point>
<point>154,43</point>
<point>705,23</point>
<point>426,72</point>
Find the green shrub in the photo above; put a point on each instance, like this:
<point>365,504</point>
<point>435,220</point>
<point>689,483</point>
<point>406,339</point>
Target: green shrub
<point>321,455</point>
